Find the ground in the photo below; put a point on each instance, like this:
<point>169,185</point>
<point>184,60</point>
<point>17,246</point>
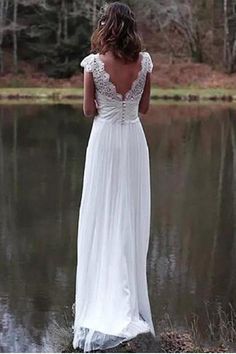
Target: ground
<point>169,342</point>
<point>166,74</point>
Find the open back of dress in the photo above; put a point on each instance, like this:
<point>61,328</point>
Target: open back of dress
<point>111,300</point>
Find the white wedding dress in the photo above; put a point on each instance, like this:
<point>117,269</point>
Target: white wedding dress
<point>111,300</point>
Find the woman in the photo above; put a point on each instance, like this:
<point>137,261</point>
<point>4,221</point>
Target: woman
<point>111,302</point>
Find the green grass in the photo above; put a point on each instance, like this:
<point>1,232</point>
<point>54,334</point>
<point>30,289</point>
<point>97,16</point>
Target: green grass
<point>40,91</point>
<point>185,91</point>
<point>58,94</point>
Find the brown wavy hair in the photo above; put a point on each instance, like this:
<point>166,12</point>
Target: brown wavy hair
<point>117,31</point>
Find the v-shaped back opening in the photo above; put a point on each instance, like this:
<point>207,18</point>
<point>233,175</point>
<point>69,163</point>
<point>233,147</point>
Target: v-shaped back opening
<point>122,96</point>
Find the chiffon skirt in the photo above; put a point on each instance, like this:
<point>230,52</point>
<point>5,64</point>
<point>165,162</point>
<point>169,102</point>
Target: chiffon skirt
<point>111,299</point>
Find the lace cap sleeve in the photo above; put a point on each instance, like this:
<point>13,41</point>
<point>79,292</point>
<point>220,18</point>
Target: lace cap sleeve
<point>149,62</point>
<point>88,63</point>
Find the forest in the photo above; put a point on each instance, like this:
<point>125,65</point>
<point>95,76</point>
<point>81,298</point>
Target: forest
<point>52,36</point>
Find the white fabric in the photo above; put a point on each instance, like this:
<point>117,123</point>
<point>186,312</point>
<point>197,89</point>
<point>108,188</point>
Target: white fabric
<point>111,300</point>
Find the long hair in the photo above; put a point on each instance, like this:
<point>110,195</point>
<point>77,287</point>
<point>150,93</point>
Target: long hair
<point>117,31</point>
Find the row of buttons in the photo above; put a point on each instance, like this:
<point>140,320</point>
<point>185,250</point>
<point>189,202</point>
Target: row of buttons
<point>123,112</point>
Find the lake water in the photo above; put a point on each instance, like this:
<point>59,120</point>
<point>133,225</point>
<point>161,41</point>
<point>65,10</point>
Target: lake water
<point>192,253</point>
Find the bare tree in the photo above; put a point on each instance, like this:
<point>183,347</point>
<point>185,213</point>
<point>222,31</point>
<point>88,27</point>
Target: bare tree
<point>229,40</point>
<point>182,14</point>
<point>14,34</point>
<point>65,19</point>
<point>3,16</point>
<point>89,9</point>
<point>184,17</point>
<point>94,13</point>
<point>14,27</point>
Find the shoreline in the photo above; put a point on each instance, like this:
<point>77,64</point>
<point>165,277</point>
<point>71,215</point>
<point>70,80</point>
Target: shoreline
<point>190,94</point>
<point>168,341</point>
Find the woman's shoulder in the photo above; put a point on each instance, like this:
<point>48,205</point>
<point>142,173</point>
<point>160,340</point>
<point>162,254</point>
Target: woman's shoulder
<point>145,52</point>
<point>88,62</point>
<point>148,60</point>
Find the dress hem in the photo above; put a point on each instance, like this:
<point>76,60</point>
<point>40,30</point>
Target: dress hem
<point>111,340</point>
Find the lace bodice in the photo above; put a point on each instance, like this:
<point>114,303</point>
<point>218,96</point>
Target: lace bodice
<point>112,106</point>
<point>105,87</point>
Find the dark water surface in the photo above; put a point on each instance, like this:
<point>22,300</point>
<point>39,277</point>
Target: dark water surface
<point>192,254</point>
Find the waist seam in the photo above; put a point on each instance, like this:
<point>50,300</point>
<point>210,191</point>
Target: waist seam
<point>118,121</point>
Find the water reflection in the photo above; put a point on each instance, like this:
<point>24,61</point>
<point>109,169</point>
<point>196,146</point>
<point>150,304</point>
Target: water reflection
<point>193,244</point>
<point>41,166</point>
<point>192,254</point>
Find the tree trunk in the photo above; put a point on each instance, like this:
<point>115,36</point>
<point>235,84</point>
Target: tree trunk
<point>14,32</point>
<point>1,35</point>
<point>94,14</point>
<point>233,66</point>
<point>59,27</point>
<point>229,50</point>
<point>65,19</point>
<point>3,15</point>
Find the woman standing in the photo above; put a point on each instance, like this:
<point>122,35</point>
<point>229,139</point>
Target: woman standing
<point>111,300</point>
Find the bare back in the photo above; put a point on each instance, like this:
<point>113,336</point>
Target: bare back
<point>122,75</point>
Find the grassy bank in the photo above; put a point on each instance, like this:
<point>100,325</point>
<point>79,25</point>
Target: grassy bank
<point>188,94</point>
<point>194,94</point>
<point>219,334</point>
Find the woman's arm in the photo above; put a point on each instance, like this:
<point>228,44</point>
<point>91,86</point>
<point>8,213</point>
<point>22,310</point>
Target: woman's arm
<point>145,99</point>
<point>89,102</point>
